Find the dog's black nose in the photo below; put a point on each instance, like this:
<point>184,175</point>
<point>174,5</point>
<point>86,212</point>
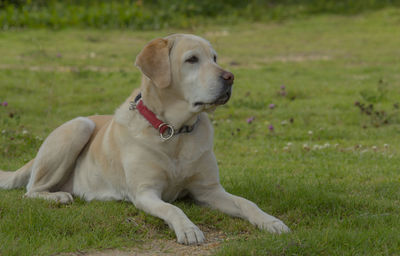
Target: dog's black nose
<point>228,77</point>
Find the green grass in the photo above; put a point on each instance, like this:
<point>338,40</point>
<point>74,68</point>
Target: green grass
<point>338,200</point>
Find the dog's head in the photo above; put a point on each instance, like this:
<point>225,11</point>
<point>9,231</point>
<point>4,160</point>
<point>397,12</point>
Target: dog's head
<point>187,66</point>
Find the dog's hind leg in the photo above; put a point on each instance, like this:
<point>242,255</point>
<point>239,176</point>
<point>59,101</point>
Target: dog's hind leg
<point>56,160</point>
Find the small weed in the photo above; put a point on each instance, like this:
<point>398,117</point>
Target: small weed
<point>377,117</point>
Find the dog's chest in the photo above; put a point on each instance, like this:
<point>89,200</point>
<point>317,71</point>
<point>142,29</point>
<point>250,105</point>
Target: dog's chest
<point>179,174</point>
<point>182,160</point>
<point>182,168</point>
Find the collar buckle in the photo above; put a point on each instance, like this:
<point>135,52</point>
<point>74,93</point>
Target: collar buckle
<point>163,130</point>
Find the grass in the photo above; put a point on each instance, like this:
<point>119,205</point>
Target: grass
<point>338,199</point>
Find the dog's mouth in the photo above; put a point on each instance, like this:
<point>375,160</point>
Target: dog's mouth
<point>221,100</point>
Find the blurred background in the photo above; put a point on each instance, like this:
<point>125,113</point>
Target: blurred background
<point>156,14</point>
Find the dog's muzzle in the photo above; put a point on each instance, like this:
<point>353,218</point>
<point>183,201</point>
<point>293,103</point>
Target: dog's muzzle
<point>225,94</point>
<point>226,91</point>
<point>224,97</point>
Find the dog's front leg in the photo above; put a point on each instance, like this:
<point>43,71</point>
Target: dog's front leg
<point>216,197</point>
<point>186,232</point>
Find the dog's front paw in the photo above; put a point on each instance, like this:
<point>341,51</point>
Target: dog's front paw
<point>59,197</point>
<point>190,235</point>
<point>272,224</point>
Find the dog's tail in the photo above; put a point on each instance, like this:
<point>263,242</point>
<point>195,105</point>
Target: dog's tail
<point>17,179</point>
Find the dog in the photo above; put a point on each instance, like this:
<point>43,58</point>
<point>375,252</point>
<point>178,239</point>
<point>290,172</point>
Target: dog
<point>156,148</point>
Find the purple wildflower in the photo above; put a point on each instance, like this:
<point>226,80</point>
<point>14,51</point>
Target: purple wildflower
<point>250,119</point>
<point>59,55</point>
<point>272,106</point>
<point>271,127</point>
<point>5,104</point>
<point>283,87</point>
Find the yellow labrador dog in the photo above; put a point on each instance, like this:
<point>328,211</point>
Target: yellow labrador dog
<point>156,148</point>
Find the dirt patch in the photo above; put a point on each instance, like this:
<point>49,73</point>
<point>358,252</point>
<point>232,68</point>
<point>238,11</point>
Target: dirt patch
<point>260,62</point>
<point>164,247</point>
<point>255,63</point>
<point>217,33</point>
<point>297,58</point>
<point>64,69</point>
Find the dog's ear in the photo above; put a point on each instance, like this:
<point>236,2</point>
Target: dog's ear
<point>154,62</point>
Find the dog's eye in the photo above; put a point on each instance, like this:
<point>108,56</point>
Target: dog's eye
<point>215,58</point>
<point>192,59</point>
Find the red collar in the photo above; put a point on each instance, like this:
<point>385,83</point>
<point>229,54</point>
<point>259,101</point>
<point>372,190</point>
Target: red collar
<point>154,121</point>
<point>166,130</point>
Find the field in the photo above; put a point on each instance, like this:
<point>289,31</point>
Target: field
<point>311,134</point>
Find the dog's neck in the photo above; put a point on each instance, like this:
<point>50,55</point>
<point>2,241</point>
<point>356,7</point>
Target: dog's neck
<point>167,108</point>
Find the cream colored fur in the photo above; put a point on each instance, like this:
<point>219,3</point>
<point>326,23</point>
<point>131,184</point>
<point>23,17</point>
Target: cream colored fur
<point>122,157</point>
